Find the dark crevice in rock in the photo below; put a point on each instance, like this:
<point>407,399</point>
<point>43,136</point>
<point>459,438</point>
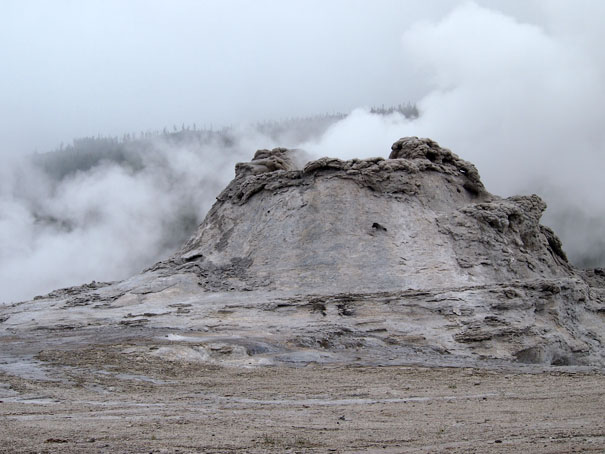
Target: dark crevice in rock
<point>379,227</point>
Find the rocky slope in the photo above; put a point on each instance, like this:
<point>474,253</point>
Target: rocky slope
<point>378,261</point>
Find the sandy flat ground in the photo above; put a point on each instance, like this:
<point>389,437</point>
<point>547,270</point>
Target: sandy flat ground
<point>101,400</point>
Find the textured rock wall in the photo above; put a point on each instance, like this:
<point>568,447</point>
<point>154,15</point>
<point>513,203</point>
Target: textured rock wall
<point>421,219</point>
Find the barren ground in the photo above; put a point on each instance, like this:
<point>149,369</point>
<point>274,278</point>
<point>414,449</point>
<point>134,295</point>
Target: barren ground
<point>101,400</point>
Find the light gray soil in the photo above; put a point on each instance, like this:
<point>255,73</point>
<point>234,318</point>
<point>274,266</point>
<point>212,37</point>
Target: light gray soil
<point>101,400</point>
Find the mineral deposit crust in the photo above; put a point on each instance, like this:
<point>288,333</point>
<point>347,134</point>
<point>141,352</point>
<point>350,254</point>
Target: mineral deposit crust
<point>403,260</point>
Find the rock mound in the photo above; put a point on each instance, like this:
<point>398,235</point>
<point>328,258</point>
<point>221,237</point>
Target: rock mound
<point>421,219</point>
<point>392,261</point>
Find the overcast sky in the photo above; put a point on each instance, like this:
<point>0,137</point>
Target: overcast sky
<point>516,87</point>
<point>74,68</point>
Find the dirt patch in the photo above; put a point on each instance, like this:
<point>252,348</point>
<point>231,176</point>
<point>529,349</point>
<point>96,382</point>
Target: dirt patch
<point>103,399</point>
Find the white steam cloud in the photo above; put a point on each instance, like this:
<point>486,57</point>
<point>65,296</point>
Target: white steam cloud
<point>524,102</point>
<point>111,220</point>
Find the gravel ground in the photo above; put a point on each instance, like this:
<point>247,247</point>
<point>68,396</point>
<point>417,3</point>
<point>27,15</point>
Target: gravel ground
<point>102,399</point>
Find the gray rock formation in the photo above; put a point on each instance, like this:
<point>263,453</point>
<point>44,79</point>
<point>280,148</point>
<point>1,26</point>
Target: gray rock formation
<point>396,261</point>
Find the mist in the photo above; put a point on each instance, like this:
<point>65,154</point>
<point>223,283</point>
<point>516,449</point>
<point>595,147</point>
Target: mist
<point>514,87</point>
<point>105,208</point>
<point>524,102</point>
<point>103,223</point>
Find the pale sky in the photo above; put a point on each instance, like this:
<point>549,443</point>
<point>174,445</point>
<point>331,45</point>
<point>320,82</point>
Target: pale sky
<point>74,68</point>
